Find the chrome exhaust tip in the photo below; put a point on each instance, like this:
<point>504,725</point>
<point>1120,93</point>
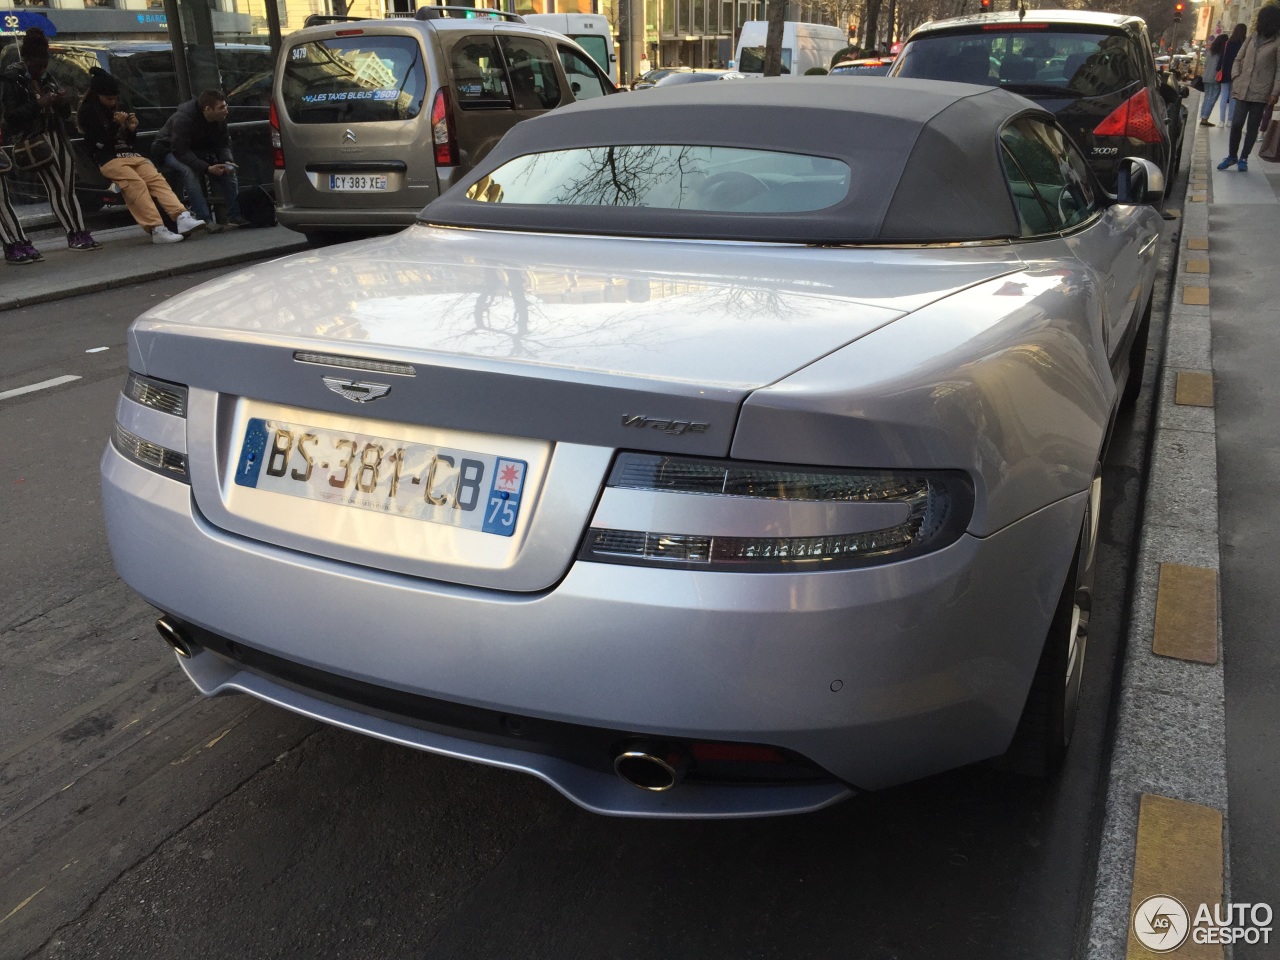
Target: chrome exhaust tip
<point>651,766</point>
<point>174,636</point>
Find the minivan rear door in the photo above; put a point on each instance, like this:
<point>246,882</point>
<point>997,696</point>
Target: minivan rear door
<point>499,79</point>
<point>354,121</point>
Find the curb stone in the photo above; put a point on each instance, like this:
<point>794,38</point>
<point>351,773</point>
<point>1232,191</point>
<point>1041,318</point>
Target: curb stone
<point>1170,726</point>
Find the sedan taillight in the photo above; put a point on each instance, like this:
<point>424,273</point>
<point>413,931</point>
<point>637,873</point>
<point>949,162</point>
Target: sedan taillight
<point>442,130</point>
<point>725,515</point>
<point>1133,118</point>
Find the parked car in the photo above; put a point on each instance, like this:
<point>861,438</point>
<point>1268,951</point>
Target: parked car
<point>375,118</point>
<point>805,46</point>
<point>148,83</point>
<point>692,76</point>
<point>1093,70</point>
<point>867,67</point>
<point>560,481</point>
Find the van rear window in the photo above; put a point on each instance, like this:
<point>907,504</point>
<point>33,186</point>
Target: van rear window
<point>354,80</point>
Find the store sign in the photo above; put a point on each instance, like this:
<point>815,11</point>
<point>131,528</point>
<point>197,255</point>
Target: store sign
<point>153,19</point>
<point>20,21</point>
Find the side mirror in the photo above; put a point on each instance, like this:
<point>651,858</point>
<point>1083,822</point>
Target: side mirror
<point>1139,182</point>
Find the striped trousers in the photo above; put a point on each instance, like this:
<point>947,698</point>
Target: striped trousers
<point>59,179</point>
<point>10,228</point>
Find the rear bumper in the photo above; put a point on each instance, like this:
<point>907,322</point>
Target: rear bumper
<point>345,220</point>
<point>878,675</point>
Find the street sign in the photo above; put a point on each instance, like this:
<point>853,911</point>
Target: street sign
<point>20,21</point>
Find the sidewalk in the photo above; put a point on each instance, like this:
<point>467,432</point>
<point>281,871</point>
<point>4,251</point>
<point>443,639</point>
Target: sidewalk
<point>1198,706</point>
<point>128,256</point>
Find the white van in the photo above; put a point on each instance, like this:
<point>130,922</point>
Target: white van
<point>591,31</point>
<point>804,46</point>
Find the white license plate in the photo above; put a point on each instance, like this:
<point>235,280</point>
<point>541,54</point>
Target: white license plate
<point>475,491</point>
<point>357,182</point>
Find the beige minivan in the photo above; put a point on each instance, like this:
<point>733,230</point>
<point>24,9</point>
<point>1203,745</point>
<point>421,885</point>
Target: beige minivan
<point>372,119</point>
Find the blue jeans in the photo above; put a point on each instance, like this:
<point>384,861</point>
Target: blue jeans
<point>189,180</point>
<point>1226,106</point>
<point>1211,90</point>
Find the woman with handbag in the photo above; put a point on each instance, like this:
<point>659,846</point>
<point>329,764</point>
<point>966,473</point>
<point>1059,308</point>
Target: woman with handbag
<point>36,109</point>
<point>17,248</point>
<point>1212,86</point>
<point>1255,86</point>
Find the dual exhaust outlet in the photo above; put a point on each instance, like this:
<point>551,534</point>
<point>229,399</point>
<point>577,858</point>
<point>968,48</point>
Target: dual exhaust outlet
<point>647,765</point>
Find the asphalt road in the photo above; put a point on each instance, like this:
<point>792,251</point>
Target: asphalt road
<point>143,821</point>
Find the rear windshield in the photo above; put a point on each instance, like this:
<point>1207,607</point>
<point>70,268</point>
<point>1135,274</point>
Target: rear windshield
<point>1025,59</point>
<point>354,80</point>
<point>669,177</point>
<point>594,45</point>
<point>751,60</point>
<point>877,69</point>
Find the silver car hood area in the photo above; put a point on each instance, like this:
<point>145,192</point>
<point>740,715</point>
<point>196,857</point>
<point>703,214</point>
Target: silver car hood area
<point>631,322</point>
<point>551,352</point>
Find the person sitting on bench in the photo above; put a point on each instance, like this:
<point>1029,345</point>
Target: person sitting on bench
<point>195,142</point>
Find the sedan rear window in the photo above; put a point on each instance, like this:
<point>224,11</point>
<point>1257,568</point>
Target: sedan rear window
<point>669,177</point>
<point>1025,59</point>
<point>354,80</point>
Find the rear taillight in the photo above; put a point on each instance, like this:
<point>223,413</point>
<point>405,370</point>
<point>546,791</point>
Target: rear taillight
<point>1133,118</point>
<point>442,130</point>
<point>277,152</point>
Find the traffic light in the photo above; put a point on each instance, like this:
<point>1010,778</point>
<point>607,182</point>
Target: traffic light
<point>1177,11</point>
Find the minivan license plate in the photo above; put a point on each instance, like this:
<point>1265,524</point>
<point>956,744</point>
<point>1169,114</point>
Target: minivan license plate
<point>459,488</point>
<point>356,182</point>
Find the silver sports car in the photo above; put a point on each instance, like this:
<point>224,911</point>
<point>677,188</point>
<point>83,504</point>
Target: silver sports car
<point>713,453</point>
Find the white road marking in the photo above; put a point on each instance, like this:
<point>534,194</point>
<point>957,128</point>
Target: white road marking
<point>42,385</point>
<point>97,349</point>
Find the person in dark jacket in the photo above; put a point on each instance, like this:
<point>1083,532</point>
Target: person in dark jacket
<point>34,103</point>
<point>195,142</point>
<point>1227,106</point>
<point>111,135</point>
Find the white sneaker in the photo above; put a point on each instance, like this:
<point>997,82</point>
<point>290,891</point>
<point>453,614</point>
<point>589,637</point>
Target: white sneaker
<point>163,234</point>
<point>187,223</point>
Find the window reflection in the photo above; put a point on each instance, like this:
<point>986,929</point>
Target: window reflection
<point>669,177</point>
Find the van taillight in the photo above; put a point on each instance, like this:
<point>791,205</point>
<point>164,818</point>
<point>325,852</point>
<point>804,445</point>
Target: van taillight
<point>442,131</point>
<point>277,152</point>
<point>1133,118</point>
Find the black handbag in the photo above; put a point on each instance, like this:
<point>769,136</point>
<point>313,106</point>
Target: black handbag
<point>1198,83</point>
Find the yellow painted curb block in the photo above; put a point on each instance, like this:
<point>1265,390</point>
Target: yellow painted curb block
<point>1186,613</point>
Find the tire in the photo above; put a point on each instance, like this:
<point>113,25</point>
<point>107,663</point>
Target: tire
<point>1137,359</point>
<point>324,238</point>
<point>1048,720</point>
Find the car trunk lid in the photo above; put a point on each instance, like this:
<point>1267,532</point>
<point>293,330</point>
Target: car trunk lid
<point>479,350</point>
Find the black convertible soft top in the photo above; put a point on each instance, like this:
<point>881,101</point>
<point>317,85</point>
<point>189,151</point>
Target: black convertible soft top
<point>924,155</point>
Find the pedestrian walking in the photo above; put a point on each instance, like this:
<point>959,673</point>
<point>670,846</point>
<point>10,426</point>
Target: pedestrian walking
<point>17,248</point>
<point>1212,85</point>
<point>195,142</point>
<point>111,135</point>
<point>1227,106</point>
<point>1255,85</point>
<point>37,108</point>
